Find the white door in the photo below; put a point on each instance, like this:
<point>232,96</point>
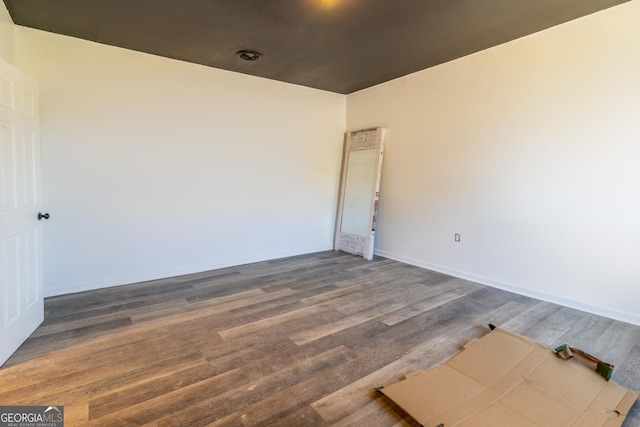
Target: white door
<point>21,285</point>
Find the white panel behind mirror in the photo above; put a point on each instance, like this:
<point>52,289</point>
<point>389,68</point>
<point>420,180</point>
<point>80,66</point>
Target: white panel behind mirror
<point>357,198</point>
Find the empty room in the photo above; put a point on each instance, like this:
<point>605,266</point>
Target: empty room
<point>172,185</point>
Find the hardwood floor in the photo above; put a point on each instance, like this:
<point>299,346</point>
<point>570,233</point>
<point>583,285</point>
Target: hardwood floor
<point>299,341</point>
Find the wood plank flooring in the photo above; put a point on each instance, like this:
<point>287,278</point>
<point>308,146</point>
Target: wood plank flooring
<point>299,341</point>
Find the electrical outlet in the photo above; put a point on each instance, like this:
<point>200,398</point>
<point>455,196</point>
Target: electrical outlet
<point>456,237</point>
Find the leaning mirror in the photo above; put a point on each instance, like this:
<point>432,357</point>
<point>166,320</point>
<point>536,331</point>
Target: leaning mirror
<point>359,191</point>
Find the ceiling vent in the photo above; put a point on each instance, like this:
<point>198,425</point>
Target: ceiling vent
<point>248,55</point>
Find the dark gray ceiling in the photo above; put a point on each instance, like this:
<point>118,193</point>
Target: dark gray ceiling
<point>336,45</point>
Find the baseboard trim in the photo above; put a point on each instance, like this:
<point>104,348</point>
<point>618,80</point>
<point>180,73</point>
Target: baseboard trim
<point>627,317</point>
<point>111,281</point>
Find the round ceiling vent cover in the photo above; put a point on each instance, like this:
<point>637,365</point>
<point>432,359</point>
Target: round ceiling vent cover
<point>248,55</point>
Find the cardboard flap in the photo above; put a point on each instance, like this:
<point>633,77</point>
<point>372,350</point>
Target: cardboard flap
<point>504,379</point>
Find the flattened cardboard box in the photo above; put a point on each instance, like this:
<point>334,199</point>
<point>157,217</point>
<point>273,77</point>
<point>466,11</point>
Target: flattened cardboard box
<point>504,379</point>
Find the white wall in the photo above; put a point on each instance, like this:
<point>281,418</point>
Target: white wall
<point>529,150</point>
<point>7,38</point>
<point>154,167</point>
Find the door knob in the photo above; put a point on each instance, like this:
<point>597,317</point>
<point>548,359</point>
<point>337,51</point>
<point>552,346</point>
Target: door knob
<point>41,215</point>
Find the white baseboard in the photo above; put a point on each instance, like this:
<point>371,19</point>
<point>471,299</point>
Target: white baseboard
<point>110,281</point>
<point>633,318</point>
<point>105,282</point>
